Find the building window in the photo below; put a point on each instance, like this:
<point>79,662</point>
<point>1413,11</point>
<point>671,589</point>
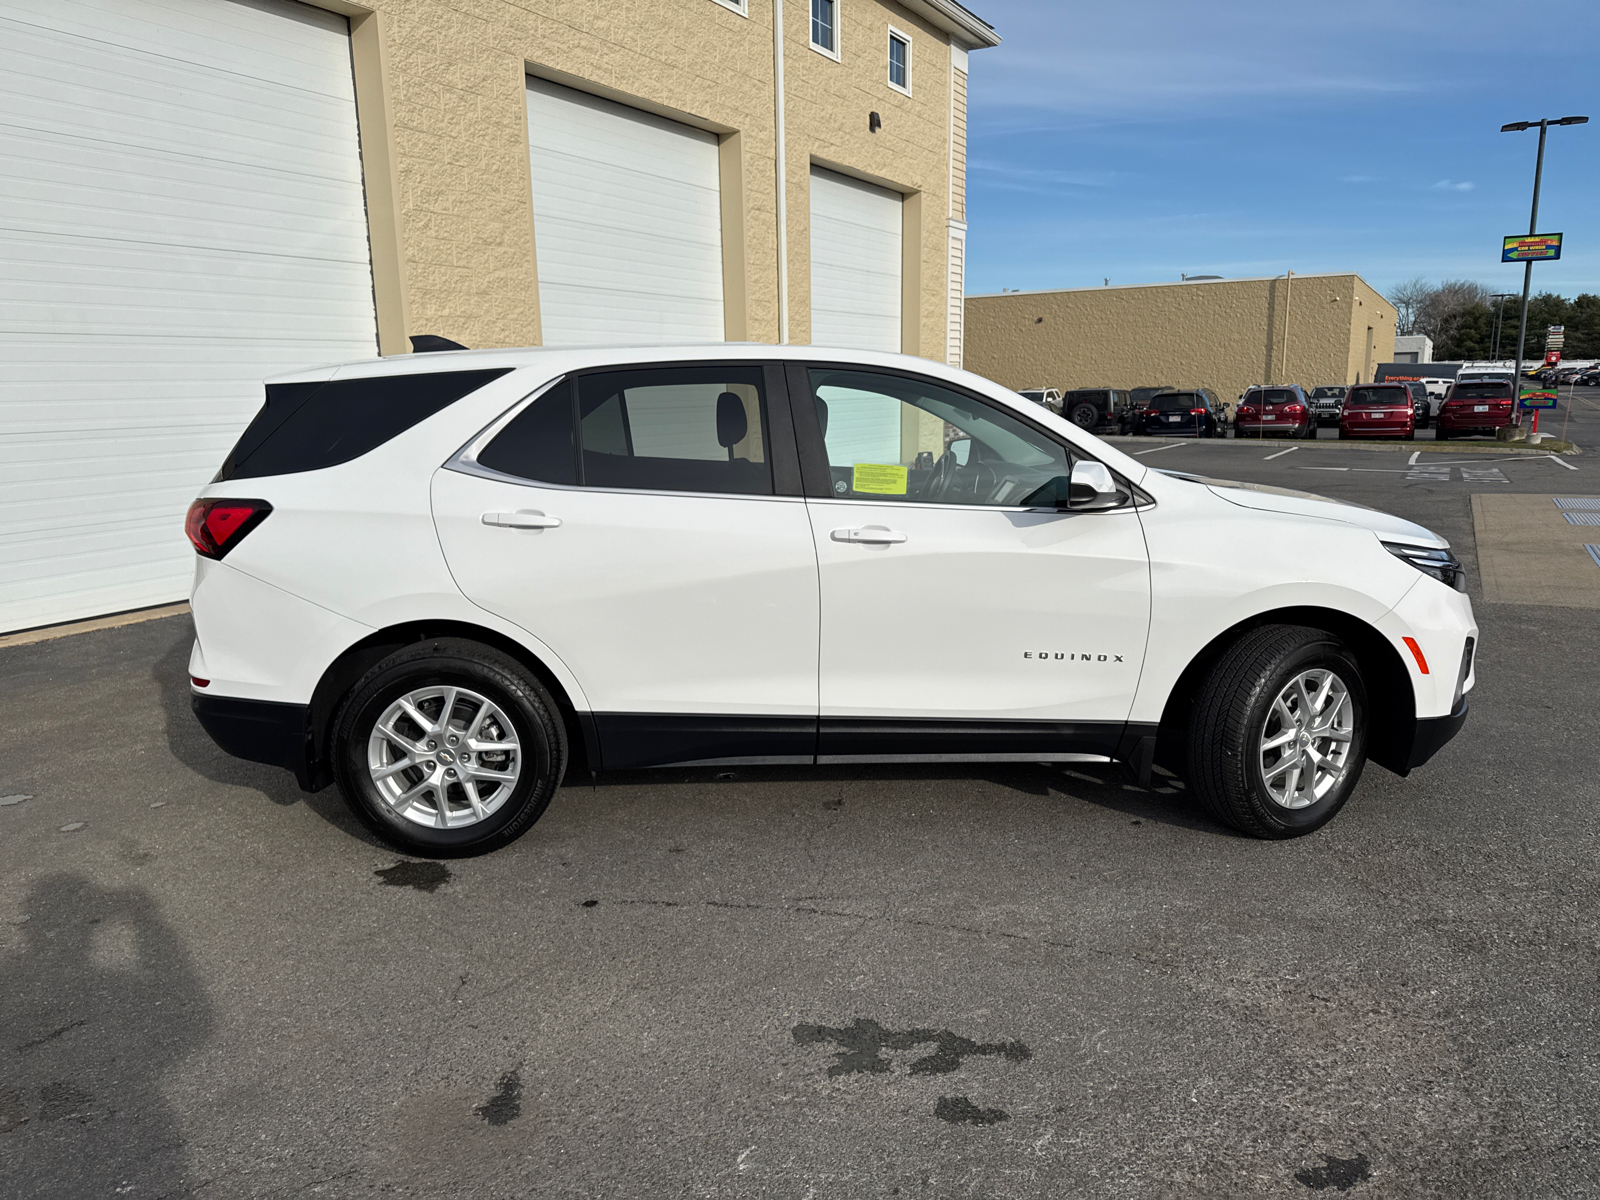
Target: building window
<point>825,27</point>
<point>742,7</point>
<point>899,61</point>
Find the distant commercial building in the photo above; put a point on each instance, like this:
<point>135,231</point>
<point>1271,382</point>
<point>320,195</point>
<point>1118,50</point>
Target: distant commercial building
<point>1413,348</point>
<point>1224,334</point>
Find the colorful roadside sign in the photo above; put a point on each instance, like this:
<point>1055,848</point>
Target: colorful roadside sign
<point>1530,247</point>
<point>1538,397</point>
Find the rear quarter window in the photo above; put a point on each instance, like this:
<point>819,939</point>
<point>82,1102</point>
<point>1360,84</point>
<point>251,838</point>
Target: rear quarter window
<point>308,426</point>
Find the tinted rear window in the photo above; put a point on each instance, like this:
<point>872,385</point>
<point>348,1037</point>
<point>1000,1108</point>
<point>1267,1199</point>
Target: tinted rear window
<point>1375,397</point>
<point>1176,402</point>
<point>308,426</point>
<point>1272,396</point>
<point>1483,391</point>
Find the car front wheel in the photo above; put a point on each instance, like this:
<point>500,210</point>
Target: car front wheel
<point>448,748</point>
<point>1278,735</point>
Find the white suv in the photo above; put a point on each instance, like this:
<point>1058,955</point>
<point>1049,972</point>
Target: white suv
<point>437,580</point>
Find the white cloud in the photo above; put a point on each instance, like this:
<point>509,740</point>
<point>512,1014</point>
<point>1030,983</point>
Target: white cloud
<point>1447,185</point>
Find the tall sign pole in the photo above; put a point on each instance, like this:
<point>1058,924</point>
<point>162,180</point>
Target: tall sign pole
<point>1527,267</point>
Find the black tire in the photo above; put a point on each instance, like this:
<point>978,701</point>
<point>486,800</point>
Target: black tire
<point>1230,716</point>
<point>527,706</point>
<point>1085,416</point>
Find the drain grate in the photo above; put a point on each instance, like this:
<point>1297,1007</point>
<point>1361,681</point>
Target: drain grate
<point>1594,553</point>
<point>1578,503</point>
<point>1582,518</point>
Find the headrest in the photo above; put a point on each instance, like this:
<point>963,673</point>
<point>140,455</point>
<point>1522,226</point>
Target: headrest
<point>732,424</point>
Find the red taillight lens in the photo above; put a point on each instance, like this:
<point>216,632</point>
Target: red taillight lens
<point>1244,410</point>
<point>1296,409</point>
<point>1152,412</point>
<point>216,526</point>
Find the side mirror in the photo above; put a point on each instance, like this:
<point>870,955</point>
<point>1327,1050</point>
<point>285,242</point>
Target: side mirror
<point>1092,488</point>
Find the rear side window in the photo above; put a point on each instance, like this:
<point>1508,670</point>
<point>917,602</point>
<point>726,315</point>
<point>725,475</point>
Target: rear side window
<point>669,429</point>
<point>308,426</point>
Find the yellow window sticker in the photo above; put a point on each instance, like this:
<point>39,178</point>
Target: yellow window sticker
<point>880,479</point>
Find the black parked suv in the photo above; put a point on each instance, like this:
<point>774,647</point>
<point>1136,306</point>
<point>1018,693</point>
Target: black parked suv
<point>1327,402</point>
<point>1099,410</point>
<point>1421,405</point>
<point>1196,413</point>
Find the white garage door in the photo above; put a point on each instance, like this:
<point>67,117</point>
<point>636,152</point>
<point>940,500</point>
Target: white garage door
<point>627,218</point>
<point>181,214</point>
<point>855,263</point>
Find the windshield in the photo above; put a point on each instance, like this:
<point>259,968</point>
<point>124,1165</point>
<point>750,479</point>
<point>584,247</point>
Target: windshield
<point>1377,397</point>
<point>1483,391</point>
<point>1176,402</point>
<point>1327,393</point>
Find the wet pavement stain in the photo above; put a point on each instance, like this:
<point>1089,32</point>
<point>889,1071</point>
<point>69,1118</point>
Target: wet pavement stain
<point>958,1110</point>
<point>1342,1174</point>
<point>505,1105</point>
<point>863,1041</point>
<point>424,876</point>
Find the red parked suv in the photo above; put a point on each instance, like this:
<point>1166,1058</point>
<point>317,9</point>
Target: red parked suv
<point>1474,407</point>
<point>1378,410</point>
<point>1282,411</point>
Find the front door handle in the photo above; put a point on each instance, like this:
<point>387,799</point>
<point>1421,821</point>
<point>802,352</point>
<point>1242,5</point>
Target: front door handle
<point>869,535</point>
<point>520,520</point>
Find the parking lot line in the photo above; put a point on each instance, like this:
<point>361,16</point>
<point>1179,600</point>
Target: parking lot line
<point>1280,453</point>
<point>1559,463</point>
<point>1415,454</point>
<point>1158,449</point>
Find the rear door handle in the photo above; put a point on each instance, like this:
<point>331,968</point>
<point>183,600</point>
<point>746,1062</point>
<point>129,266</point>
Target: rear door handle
<point>869,535</point>
<point>521,520</point>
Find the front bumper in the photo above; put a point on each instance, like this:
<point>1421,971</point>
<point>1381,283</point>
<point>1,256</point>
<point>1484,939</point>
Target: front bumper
<point>262,731</point>
<point>1432,733</point>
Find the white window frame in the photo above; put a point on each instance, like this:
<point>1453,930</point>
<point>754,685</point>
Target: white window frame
<point>838,32</point>
<point>896,35</point>
<point>742,7</point>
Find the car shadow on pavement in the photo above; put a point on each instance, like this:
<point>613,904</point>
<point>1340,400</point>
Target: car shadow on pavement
<point>1103,785</point>
<point>194,749</point>
<point>99,1004</point>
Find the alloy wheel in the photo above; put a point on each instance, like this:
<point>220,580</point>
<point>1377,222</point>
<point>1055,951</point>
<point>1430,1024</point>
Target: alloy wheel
<point>1305,740</point>
<point>444,757</point>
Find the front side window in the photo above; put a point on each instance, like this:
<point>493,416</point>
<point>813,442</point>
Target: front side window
<point>825,25</point>
<point>899,61</point>
<point>892,437</point>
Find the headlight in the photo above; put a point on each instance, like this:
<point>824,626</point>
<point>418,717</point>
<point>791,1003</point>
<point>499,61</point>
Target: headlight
<point>1441,564</point>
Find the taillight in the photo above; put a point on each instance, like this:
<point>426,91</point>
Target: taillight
<point>1244,410</point>
<point>217,526</point>
<point>1152,412</point>
<point>1296,409</point>
<point>1198,412</point>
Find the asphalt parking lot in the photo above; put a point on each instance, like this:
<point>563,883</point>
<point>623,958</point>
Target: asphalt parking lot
<point>836,983</point>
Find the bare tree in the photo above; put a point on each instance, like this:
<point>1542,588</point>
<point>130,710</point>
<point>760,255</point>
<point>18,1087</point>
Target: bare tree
<point>1409,299</point>
<point>1442,312</point>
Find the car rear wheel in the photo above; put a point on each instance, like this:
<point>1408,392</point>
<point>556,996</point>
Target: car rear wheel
<point>1441,434</point>
<point>448,748</point>
<point>1278,735</point>
<point>1085,416</point>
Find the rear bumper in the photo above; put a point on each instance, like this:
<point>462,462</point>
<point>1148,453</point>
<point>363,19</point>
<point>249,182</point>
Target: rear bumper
<point>262,731</point>
<point>1377,429</point>
<point>1472,421</point>
<point>1432,734</point>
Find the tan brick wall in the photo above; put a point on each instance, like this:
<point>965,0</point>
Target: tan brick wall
<point>1224,335</point>
<point>452,115</point>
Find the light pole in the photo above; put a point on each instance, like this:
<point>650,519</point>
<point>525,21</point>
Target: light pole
<point>1499,318</point>
<point>1533,221</point>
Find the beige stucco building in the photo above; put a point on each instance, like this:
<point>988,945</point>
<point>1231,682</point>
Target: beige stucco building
<point>455,218</point>
<point>201,194</point>
<point>1222,334</point>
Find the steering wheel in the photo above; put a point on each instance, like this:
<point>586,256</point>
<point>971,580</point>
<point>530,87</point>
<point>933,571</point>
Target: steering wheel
<point>944,474</point>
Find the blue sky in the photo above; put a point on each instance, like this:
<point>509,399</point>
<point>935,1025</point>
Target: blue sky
<point>1148,138</point>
